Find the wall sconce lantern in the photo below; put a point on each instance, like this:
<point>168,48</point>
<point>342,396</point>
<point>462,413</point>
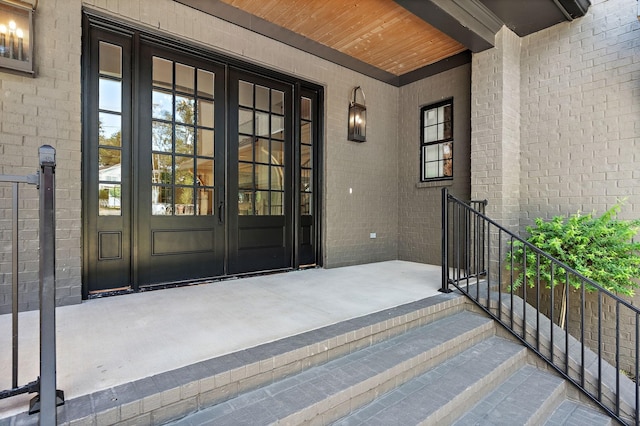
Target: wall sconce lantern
<point>357,118</point>
<point>16,35</point>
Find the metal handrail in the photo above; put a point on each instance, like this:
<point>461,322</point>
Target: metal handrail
<point>519,309</point>
<point>48,397</point>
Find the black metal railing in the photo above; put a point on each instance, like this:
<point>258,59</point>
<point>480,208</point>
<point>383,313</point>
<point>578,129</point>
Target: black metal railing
<point>48,397</point>
<point>583,331</point>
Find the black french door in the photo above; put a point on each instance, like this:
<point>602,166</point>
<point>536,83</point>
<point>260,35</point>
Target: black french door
<point>260,174</point>
<point>180,171</point>
<point>192,167</point>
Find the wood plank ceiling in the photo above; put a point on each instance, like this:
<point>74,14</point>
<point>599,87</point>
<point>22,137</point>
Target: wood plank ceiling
<point>380,33</point>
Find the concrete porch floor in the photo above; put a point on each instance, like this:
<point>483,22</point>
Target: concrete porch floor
<point>106,342</point>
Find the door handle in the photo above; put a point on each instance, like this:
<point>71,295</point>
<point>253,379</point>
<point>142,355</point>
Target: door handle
<point>221,212</point>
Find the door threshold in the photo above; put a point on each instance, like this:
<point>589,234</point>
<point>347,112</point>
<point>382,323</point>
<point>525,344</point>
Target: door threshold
<point>97,294</point>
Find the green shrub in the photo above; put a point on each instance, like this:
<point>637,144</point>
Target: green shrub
<point>600,248</point>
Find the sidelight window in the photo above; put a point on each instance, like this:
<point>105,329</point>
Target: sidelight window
<point>306,160</point>
<point>436,136</point>
<point>110,130</point>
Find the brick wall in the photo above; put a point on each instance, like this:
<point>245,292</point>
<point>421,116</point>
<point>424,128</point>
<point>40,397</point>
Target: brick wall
<point>34,112</point>
<point>580,137</point>
<point>420,207</point>
<point>495,124</point>
<point>580,109</point>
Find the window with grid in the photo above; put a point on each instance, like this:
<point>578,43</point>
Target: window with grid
<point>436,141</point>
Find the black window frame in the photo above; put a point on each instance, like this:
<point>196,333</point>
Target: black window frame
<point>445,140</point>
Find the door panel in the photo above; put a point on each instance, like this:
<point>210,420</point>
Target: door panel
<point>107,193</point>
<point>259,176</point>
<point>180,169</point>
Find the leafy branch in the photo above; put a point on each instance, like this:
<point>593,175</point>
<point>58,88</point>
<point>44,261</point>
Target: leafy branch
<point>600,248</point>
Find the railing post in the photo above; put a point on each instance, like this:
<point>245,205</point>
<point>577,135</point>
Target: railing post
<point>445,242</point>
<point>47,399</point>
<point>14,290</point>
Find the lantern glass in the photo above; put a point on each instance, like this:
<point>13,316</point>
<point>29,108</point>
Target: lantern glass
<point>16,36</point>
<point>357,122</point>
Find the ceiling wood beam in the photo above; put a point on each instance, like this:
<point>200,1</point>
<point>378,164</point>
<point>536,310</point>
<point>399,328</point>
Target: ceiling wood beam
<point>467,21</point>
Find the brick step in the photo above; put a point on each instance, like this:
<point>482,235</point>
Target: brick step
<point>571,413</point>
<point>325,393</point>
<point>531,397</point>
<point>612,381</point>
<point>439,395</point>
<point>525,398</point>
<point>173,394</point>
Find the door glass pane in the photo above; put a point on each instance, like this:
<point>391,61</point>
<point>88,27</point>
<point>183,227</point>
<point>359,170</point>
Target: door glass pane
<point>262,151</point>
<point>161,135</point>
<point>205,83</point>
<point>305,156</point>
<point>162,168</point>
<point>277,153</point>
<point>245,94</point>
<point>262,124</point>
<point>245,202</point>
<point>185,78</point>
<point>277,127</point>
<point>162,105</point>
<point>262,98</point>
<point>185,109</point>
<point>184,170</point>
<point>262,177</point>
<point>109,129</point>
<point>305,133</point>
<point>205,172</point>
<point>276,203</point>
<point>305,184</point>
<point>205,113</point>
<point>305,108</point>
<point>245,149</point>
<point>109,196</point>
<point>162,73</point>
<point>184,201</point>
<point>261,203</point>
<point>161,200</point>
<point>245,175</point>
<point>205,142</point>
<point>205,202</point>
<point>277,102</point>
<point>184,139</point>
<point>110,95</point>
<point>109,162</point>
<point>110,60</point>
<point>277,178</point>
<point>245,121</point>
<point>305,203</point>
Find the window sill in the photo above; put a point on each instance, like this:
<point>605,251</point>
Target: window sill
<point>435,183</point>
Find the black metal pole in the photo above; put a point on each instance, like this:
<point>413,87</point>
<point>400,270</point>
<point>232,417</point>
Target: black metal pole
<point>445,242</point>
<point>48,403</point>
<point>14,277</point>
